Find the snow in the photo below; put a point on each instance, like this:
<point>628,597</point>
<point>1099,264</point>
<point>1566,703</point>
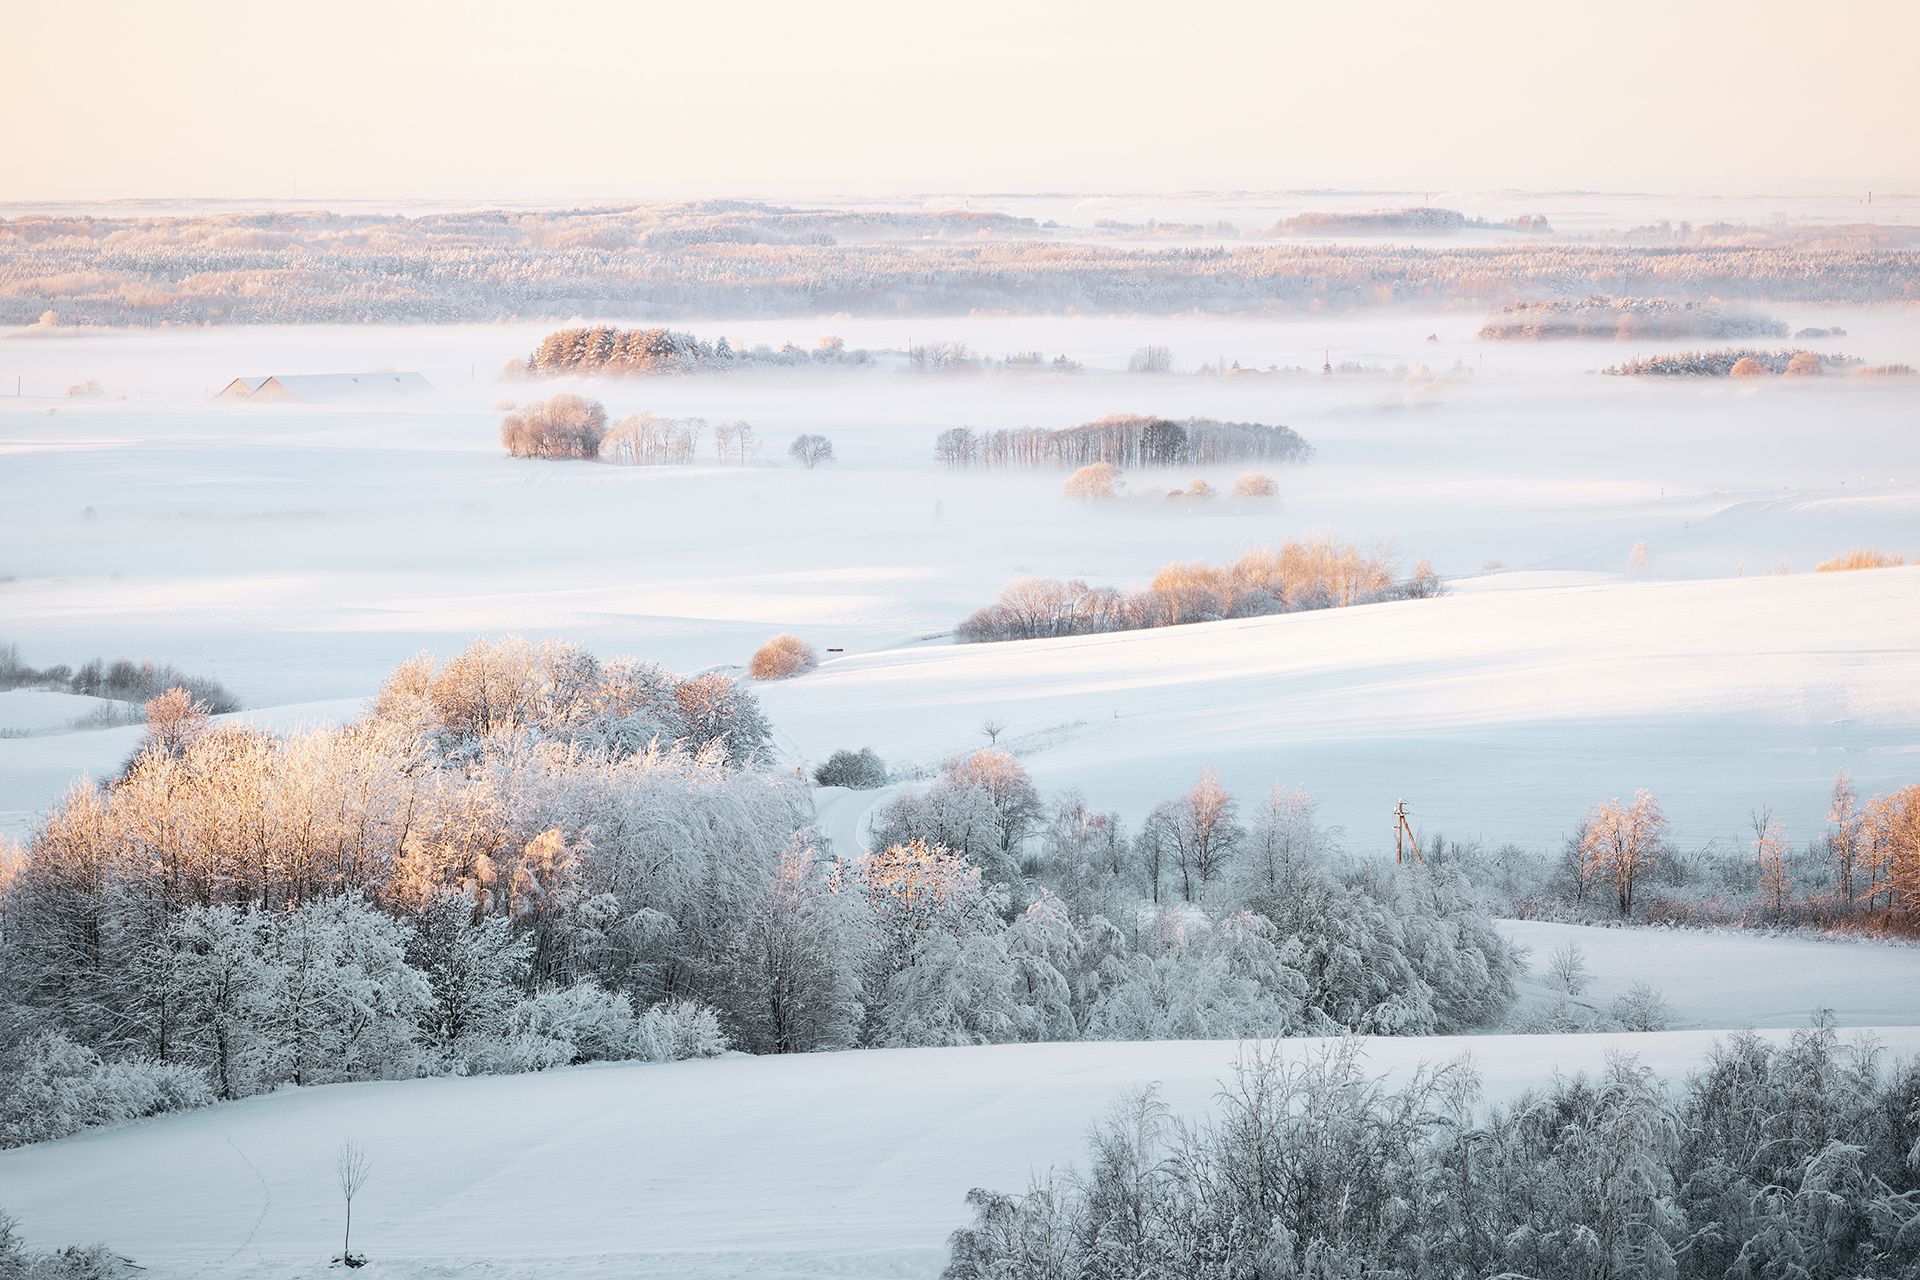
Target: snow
<point>842,1164</point>
<point>24,711</point>
<point>1498,715</point>
<point>297,553</point>
<point>850,1164</point>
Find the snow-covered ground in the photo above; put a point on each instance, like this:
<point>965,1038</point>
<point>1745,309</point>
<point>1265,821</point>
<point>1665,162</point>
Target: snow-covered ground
<point>298,553</point>
<point>33,711</point>
<point>844,1164</point>
<point>1497,714</point>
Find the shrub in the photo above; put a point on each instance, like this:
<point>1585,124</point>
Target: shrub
<point>1747,367</point>
<point>1642,1008</point>
<point>1804,364</point>
<point>677,1030</point>
<point>1251,484</point>
<point>860,770</point>
<point>562,426</point>
<point>564,1025</point>
<point>1859,558</point>
<point>1095,480</point>
<point>93,1262</point>
<point>56,1087</point>
<point>782,657</point>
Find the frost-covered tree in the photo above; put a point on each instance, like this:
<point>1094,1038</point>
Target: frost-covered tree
<point>1620,843</point>
<point>799,961</point>
<point>561,426</point>
<point>810,450</point>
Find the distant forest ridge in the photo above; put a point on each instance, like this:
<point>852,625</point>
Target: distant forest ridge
<point>1599,316</point>
<point>725,259</point>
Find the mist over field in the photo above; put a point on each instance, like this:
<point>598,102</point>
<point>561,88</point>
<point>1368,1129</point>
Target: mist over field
<point>775,665</point>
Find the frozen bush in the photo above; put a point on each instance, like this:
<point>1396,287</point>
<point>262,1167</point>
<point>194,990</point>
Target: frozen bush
<point>677,1030</point>
<point>861,770</point>
<point>1859,558</point>
<point>583,1022</point>
<point>1641,1008</point>
<point>91,1262</point>
<point>1251,484</point>
<point>782,657</point>
<point>56,1087</point>
<point>561,426</point>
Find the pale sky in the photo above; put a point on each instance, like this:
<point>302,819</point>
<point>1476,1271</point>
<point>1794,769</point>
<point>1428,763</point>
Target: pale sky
<point>608,98</point>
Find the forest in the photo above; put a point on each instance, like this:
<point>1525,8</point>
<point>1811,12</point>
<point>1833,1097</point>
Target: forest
<point>736,259</point>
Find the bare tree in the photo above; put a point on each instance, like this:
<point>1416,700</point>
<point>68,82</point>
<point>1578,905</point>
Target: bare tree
<point>351,1169</point>
<point>1843,840</point>
<point>993,727</point>
<point>811,450</point>
<point>1567,969</point>
<point>1770,855</point>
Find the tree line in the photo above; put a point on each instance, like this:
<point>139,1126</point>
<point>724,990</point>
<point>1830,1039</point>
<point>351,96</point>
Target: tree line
<point>1318,572</point>
<point>1861,874</point>
<point>604,349</point>
<point>758,260</point>
<point>1121,440</point>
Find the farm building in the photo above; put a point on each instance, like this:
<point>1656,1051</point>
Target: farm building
<point>326,388</point>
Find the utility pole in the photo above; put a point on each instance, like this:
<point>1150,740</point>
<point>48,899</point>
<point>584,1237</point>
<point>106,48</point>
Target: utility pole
<point>1403,835</point>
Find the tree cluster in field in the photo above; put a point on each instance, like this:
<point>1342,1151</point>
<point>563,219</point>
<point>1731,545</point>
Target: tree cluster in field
<point>1770,1160</point>
<point>740,259</point>
<point>635,352</point>
<point>513,861</point>
<point>1738,362</point>
<point>1599,316</point>
<point>1415,221</point>
<point>1122,440</point>
<point>525,858</point>
<point>1310,573</point>
<point>122,680</point>
<point>1862,874</point>
<point>1196,926</point>
<point>570,426</point>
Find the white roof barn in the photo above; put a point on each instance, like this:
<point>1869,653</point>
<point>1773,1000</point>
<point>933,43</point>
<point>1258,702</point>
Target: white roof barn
<point>326,388</point>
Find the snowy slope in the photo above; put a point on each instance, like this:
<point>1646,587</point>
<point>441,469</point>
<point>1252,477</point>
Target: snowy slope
<point>850,1164</point>
<point>1497,714</point>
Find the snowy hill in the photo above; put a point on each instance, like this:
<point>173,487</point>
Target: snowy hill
<point>1497,714</point>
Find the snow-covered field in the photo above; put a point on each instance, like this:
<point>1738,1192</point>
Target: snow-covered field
<point>298,553</point>
<point>843,1164</point>
<point>1497,714</point>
